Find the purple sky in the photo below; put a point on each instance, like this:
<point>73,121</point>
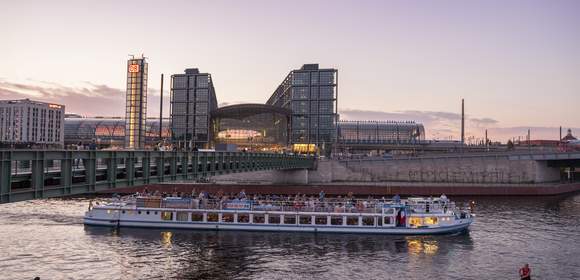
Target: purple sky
<point>516,63</point>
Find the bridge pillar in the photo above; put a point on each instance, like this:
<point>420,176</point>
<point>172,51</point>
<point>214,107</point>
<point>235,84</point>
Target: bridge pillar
<point>295,176</point>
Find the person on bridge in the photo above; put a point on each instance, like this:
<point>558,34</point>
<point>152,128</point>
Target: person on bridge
<point>525,272</point>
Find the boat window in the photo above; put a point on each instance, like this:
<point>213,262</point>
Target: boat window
<point>379,221</point>
<point>155,212</point>
<point>320,220</point>
<point>336,221</point>
<point>389,211</point>
<point>305,220</point>
<point>123,211</point>
<point>259,219</point>
<point>139,212</point>
<point>243,218</point>
<point>212,217</point>
<point>197,217</point>
<point>386,220</point>
<point>228,217</point>
<point>166,216</point>
<point>273,219</point>
<point>289,219</point>
<point>182,216</point>
<point>352,221</point>
<point>431,220</point>
<point>368,221</point>
<point>147,212</point>
<point>415,221</point>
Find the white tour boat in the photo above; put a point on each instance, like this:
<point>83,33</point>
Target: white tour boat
<point>407,216</point>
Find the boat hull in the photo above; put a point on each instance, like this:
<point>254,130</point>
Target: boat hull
<point>463,226</point>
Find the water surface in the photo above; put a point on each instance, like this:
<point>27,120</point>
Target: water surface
<point>46,238</point>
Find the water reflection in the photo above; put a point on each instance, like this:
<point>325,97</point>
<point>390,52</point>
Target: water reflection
<point>212,253</point>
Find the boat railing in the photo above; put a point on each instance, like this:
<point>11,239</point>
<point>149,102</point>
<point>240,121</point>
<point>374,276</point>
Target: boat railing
<point>333,205</point>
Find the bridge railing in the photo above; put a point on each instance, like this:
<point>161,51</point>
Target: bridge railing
<point>29,174</point>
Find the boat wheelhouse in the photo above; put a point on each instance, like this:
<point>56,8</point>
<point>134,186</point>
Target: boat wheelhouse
<point>408,216</point>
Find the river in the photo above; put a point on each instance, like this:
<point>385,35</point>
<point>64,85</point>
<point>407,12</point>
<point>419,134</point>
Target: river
<point>46,238</point>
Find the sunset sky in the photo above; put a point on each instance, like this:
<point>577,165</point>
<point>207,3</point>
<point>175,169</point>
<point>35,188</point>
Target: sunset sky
<point>516,63</point>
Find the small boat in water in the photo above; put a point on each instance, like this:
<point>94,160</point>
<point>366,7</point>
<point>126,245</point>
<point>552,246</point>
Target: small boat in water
<point>378,216</point>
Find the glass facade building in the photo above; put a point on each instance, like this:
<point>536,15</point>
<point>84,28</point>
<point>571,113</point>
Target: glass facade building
<point>256,127</point>
<point>192,101</point>
<point>136,103</point>
<point>311,94</point>
<point>380,132</point>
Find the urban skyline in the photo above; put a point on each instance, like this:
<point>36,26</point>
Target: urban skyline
<point>507,65</point>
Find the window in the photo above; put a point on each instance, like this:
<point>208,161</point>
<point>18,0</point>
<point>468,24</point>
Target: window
<point>321,220</point>
<point>197,217</point>
<point>327,78</point>
<point>227,217</point>
<point>290,220</point>
<point>300,93</point>
<point>202,81</point>
<point>243,218</point>
<point>166,216</point>
<point>336,221</point>
<point>352,221</point>
<point>301,78</point>
<point>182,216</point>
<point>179,82</point>
<point>368,221</point>
<point>212,217</point>
<point>431,220</point>
<point>259,219</point>
<point>386,220</point>
<point>273,219</point>
<point>415,221</point>
<point>305,220</point>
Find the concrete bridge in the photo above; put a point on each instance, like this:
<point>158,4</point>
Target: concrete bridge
<point>31,174</point>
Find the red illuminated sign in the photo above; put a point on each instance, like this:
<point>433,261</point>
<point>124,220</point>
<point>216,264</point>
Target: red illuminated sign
<point>134,68</point>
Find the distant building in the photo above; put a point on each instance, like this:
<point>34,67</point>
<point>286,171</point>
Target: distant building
<point>311,94</point>
<point>27,122</point>
<point>193,100</point>
<point>136,103</point>
<point>380,132</point>
<point>108,131</point>
<point>569,136</point>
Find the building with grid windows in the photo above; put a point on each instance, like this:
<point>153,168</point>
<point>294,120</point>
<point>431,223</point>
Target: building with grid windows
<point>311,94</point>
<point>136,103</point>
<point>26,122</point>
<point>193,100</point>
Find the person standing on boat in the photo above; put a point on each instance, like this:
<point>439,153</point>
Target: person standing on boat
<point>321,196</point>
<point>525,272</point>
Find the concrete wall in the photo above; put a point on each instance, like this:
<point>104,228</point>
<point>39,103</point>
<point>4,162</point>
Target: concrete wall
<point>487,170</point>
<point>446,170</point>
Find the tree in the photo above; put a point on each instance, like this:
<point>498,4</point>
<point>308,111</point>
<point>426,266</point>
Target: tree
<point>510,145</point>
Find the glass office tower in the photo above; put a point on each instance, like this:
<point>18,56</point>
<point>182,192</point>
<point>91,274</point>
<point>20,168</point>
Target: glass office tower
<point>136,103</point>
<point>192,101</point>
<point>311,93</point>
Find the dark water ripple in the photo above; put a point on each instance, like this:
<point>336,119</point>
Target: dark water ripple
<point>47,238</point>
